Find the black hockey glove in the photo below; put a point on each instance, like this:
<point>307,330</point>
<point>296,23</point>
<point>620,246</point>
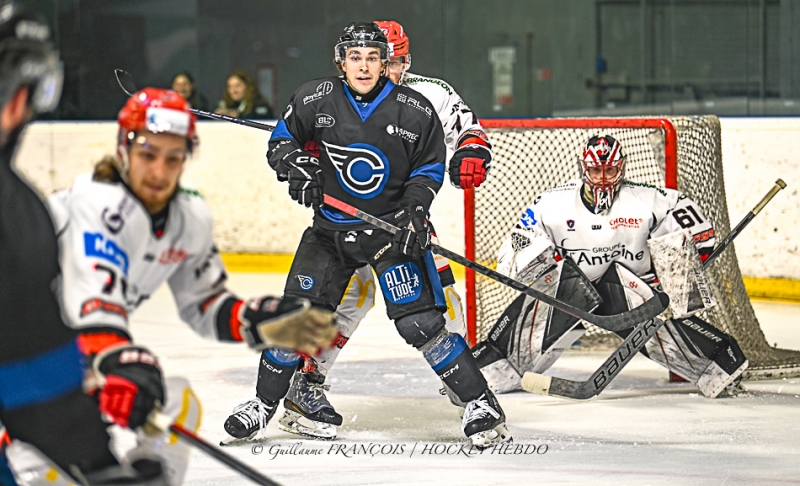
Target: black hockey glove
<point>414,237</point>
<point>469,166</point>
<point>287,323</point>
<point>133,385</point>
<point>305,180</point>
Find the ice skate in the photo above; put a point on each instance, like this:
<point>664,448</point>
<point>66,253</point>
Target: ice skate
<point>484,422</point>
<point>249,421</point>
<point>307,410</point>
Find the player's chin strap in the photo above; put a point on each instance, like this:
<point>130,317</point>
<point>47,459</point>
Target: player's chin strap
<point>618,322</point>
<point>585,390</point>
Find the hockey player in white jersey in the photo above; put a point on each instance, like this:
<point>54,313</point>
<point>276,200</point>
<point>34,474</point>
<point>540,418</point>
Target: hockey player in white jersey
<point>604,229</point>
<point>307,409</point>
<point>122,234</point>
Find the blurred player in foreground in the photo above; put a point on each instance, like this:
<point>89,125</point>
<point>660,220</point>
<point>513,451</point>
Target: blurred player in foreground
<point>624,238</point>
<point>307,409</point>
<point>128,229</point>
<point>42,404</point>
<point>380,147</point>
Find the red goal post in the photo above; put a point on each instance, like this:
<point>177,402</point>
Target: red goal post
<point>531,155</point>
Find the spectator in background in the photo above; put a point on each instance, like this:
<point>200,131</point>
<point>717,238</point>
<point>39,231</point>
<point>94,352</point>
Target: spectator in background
<point>183,84</point>
<point>242,99</point>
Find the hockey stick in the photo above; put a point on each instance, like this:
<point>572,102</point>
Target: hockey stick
<point>779,184</point>
<point>585,390</point>
<point>163,422</point>
<point>618,322</point>
<point>125,81</point>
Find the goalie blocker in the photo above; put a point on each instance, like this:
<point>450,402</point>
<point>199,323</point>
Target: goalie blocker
<point>529,336</point>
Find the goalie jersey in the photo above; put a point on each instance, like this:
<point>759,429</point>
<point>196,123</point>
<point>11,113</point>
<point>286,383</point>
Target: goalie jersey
<point>112,260</point>
<point>560,218</point>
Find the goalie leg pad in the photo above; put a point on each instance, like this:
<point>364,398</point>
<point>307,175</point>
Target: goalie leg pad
<point>621,290</point>
<point>702,354</point>
<point>528,335</point>
<point>275,370</point>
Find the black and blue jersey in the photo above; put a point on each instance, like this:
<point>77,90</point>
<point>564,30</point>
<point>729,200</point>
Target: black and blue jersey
<point>371,154</point>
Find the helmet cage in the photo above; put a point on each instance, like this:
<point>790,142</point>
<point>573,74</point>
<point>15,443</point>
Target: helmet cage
<point>603,152</point>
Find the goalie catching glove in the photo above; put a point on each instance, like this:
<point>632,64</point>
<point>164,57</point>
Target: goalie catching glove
<point>291,323</point>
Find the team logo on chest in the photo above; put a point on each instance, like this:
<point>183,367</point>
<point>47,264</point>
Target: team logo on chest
<point>362,169</point>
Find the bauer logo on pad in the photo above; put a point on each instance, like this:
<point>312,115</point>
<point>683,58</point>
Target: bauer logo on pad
<point>402,283</point>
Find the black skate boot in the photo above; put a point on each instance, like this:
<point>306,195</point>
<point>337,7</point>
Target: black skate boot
<point>484,422</point>
<point>307,410</point>
<point>249,420</point>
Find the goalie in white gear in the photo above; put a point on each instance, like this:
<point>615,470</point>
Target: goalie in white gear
<point>307,409</point>
<point>123,233</point>
<point>600,229</point>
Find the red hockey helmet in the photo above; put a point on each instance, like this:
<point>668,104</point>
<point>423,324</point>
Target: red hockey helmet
<point>603,164</point>
<point>154,110</point>
<point>399,44</point>
<point>398,40</point>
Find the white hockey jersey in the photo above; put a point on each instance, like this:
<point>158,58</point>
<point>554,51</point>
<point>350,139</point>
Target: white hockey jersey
<point>455,115</point>
<point>558,217</point>
<point>111,261</point>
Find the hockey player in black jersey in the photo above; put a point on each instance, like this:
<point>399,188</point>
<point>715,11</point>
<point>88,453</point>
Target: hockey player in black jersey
<point>381,149</point>
<point>42,404</point>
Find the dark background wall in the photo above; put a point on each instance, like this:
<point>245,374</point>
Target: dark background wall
<point>733,57</point>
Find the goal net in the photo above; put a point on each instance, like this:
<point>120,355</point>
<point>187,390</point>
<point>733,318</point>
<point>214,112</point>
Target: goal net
<point>676,152</point>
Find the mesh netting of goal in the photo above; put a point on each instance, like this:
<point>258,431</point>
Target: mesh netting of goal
<point>676,152</point>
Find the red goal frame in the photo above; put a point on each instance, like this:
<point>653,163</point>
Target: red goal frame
<point>671,180</point>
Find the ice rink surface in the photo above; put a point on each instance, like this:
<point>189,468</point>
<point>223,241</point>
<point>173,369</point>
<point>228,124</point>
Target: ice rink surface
<point>641,430</point>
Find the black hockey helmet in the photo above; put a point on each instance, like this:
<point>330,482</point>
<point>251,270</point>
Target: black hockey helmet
<point>362,34</point>
<point>28,58</point>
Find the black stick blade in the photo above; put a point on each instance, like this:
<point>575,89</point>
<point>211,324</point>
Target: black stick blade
<point>125,81</point>
<point>600,379</point>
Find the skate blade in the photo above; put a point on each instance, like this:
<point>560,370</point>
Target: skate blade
<point>233,441</point>
<point>295,423</point>
<point>489,438</point>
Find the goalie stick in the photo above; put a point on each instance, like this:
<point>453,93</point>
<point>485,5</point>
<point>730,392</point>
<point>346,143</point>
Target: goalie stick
<point>618,322</point>
<point>586,390</point>
<point>125,81</point>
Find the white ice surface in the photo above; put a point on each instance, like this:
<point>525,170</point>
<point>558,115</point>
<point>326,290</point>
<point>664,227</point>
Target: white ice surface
<point>641,430</point>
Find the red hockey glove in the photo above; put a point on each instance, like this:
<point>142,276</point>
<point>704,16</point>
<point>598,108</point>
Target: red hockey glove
<point>133,385</point>
<point>469,166</point>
